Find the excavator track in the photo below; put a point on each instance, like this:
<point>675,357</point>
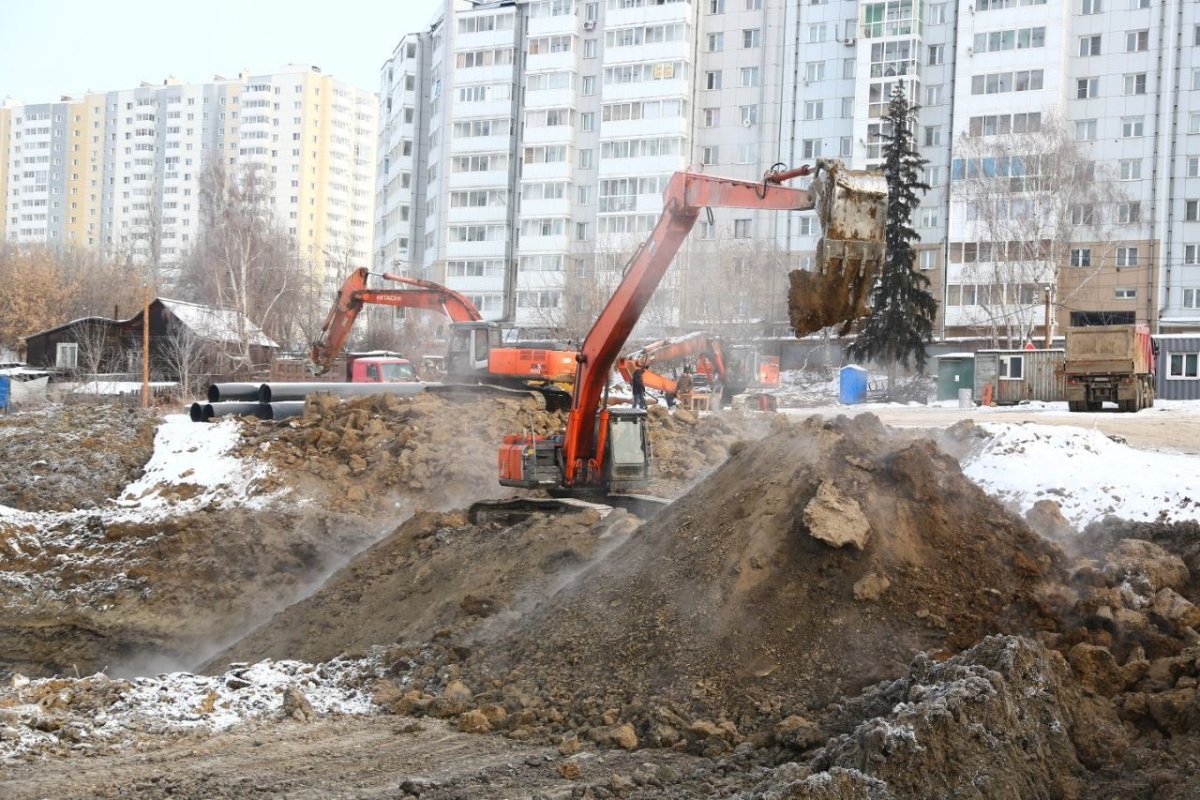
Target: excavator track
<point>515,510</point>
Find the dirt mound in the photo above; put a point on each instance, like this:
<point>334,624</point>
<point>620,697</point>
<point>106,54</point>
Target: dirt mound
<point>434,577</point>
<point>375,451</point>
<point>72,457</point>
<point>734,602</point>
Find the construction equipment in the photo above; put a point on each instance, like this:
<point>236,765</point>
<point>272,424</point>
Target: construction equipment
<point>1110,362</point>
<point>735,368</point>
<point>475,353</point>
<point>607,450</point>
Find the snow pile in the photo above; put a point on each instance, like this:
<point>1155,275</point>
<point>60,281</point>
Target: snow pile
<point>197,456</point>
<point>99,713</point>
<point>1088,474</point>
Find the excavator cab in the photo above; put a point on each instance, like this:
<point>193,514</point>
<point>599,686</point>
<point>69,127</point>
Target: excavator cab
<point>470,345</point>
<point>626,449</point>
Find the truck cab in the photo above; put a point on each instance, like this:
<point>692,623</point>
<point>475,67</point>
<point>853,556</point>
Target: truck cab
<point>381,369</point>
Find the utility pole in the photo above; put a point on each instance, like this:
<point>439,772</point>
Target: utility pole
<point>1049,332</point>
<point>146,346</point>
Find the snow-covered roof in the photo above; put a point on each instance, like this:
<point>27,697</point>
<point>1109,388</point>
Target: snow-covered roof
<point>216,324</point>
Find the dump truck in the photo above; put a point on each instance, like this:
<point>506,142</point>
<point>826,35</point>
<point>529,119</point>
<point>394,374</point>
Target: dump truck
<point>1113,363</point>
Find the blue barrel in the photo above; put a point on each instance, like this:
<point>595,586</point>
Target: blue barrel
<point>853,385</point>
<point>5,386</point>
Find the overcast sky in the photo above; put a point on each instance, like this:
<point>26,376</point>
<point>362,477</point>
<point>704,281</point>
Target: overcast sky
<point>50,48</point>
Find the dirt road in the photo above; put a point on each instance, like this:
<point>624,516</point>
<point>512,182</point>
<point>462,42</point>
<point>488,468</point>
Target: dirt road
<point>361,757</point>
<point>1173,428</point>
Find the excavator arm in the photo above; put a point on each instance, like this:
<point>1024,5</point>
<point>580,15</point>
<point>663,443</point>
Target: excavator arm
<point>851,210</point>
<point>666,350</point>
<point>354,294</point>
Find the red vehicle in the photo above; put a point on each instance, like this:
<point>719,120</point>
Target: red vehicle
<point>607,449</point>
<point>475,354</point>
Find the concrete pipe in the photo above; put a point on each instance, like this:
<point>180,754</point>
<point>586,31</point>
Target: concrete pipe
<point>241,409</point>
<point>275,392</point>
<point>222,392</point>
<point>279,410</point>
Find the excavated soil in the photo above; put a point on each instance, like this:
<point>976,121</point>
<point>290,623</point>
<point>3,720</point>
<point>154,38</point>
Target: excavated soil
<point>72,457</point>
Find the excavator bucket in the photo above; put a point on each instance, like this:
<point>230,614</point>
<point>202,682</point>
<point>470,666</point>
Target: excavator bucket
<point>851,207</point>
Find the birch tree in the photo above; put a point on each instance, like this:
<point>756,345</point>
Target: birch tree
<point>1035,204</point>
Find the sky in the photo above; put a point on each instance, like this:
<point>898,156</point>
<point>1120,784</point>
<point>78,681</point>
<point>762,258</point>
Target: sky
<point>50,48</point>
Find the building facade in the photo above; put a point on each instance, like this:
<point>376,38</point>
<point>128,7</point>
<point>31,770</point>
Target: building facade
<point>525,145</point>
<point>121,170</point>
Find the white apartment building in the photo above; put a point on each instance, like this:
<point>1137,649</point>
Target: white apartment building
<point>526,144</point>
<point>121,170</point>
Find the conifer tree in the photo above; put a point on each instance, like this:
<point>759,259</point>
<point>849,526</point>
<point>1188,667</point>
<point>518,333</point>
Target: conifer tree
<point>901,322</point>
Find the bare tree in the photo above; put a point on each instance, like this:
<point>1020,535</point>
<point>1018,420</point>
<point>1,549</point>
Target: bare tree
<point>94,339</point>
<point>186,357</point>
<point>734,286</point>
<point>1034,204</point>
<point>243,261</point>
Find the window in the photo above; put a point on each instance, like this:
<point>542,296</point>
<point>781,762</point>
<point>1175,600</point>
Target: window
<point>1091,7</point>
<point>937,54</point>
<point>1011,367</point>
<point>716,6</point>
<point>753,5</point>
<point>928,259</point>
<point>816,33</point>
<point>1129,213</point>
<point>1131,169</point>
<point>708,154</point>
<point>712,117</point>
<point>1135,83</point>
<point>1191,254</point>
<point>847,107</point>
<point>582,232</point>
<point>584,195</point>
<point>749,77</point>
<point>845,147</point>
<point>1191,298</point>
<point>1183,366</point>
<point>716,42</point>
<point>589,84</point>
<point>1193,167</point>
<point>587,121</point>
<point>848,67</point>
<point>585,158</point>
<point>1124,293</point>
<point>749,115</point>
<point>1137,41</point>
<point>930,218</point>
<point>1081,256</point>
<point>1127,256</point>
<point>814,109</point>
<point>1132,127</point>
<point>712,80</point>
<point>1191,210</point>
<point>1194,122</point>
<point>66,355</point>
<point>933,135</point>
<point>1085,130</point>
<point>1089,45</point>
<point>751,37</point>
<point>741,228</point>
<point>814,71</point>
<point>1083,215</point>
<point>937,14</point>
<point>1086,88</point>
<point>589,48</point>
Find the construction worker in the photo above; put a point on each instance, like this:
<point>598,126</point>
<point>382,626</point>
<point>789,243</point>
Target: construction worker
<point>683,388</point>
<point>638,385</point>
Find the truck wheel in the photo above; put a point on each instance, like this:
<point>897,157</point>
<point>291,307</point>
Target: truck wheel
<point>1076,405</point>
<point>1149,394</point>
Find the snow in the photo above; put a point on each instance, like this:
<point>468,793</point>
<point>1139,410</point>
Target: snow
<point>1088,474</point>
<point>177,703</point>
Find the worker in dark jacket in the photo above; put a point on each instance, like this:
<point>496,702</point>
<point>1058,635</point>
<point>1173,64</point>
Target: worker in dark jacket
<point>638,384</point>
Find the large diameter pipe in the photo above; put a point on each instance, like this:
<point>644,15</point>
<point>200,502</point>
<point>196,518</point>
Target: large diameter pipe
<point>275,392</point>
<point>279,410</point>
<point>242,409</point>
<point>221,392</point>
<point>196,412</point>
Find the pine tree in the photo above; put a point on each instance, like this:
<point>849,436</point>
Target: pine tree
<point>902,320</point>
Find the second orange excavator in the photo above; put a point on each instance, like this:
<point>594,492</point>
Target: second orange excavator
<point>730,370</point>
<point>475,353</point>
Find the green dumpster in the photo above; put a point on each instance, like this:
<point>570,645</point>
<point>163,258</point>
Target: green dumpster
<point>955,371</point>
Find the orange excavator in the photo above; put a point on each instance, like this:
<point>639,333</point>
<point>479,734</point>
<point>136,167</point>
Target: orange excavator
<point>606,450</point>
<point>736,368</point>
<point>475,354</point>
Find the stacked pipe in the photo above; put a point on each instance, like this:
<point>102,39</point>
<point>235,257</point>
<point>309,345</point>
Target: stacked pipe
<point>282,400</point>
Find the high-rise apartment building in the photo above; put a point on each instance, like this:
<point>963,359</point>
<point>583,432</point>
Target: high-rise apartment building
<point>526,144</point>
<point>121,170</point>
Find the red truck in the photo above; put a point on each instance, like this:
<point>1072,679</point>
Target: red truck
<point>1110,362</point>
<point>377,366</point>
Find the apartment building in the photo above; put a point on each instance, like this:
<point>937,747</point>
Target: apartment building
<point>534,139</point>
<point>121,170</point>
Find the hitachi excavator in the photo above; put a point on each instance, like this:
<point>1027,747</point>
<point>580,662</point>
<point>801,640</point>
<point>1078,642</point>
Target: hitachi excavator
<point>606,450</point>
<point>735,368</point>
<point>475,354</point>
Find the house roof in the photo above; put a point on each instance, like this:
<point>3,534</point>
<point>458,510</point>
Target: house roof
<point>216,324</point>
